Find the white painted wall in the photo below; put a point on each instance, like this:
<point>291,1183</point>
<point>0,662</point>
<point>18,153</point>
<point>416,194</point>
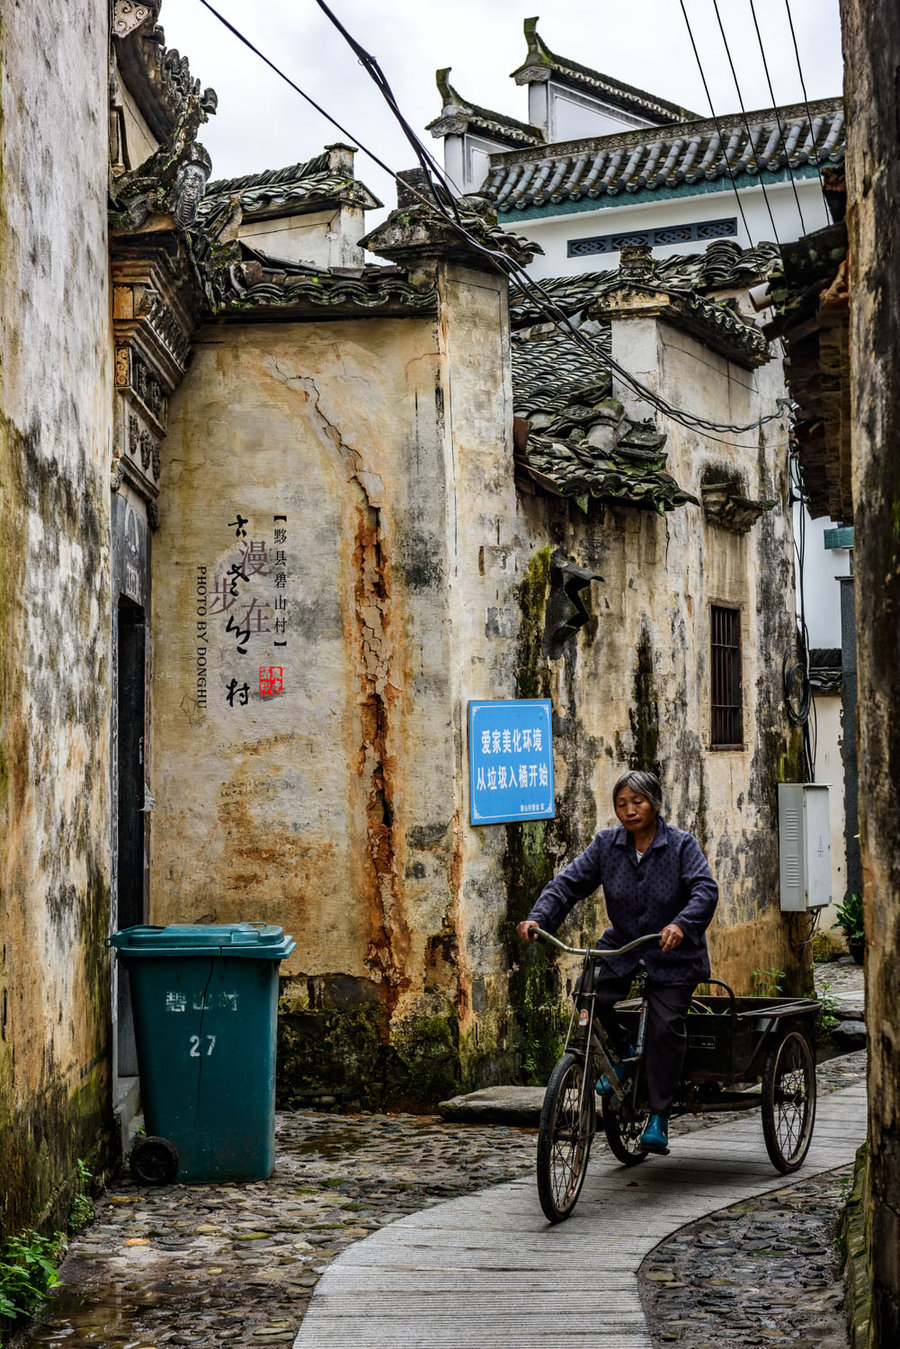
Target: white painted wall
<point>553,233</point>
<point>830,770</point>
<point>821,590</point>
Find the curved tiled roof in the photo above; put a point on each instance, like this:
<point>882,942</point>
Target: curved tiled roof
<point>579,442</point>
<point>541,64</point>
<point>668,157</point>
<point>267,193</point>
<point>458,115</point>
<point>576,440</point>
<point>684,284</point>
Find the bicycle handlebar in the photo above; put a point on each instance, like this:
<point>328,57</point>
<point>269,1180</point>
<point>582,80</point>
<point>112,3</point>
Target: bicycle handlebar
<point>596,950</point>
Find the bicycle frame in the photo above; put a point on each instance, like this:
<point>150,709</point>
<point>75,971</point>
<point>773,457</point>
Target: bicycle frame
<point>585,1036</point>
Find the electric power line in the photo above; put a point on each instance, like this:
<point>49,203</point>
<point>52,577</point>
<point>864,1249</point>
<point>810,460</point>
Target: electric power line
<point>787,158</point>
<point>750,143</point>
<point>722,145</point>
<point>812,134</point>
<point>512,269</point>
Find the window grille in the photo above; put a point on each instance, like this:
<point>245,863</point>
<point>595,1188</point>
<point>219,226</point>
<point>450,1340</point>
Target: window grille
<point>670,234</point>
<point>726,703</point>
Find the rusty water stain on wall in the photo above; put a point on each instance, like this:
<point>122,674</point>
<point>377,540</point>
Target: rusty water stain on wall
<point>389,941</point>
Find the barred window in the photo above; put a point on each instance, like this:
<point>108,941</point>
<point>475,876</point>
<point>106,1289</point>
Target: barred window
<point>669,234</point>
<point>727,719</point>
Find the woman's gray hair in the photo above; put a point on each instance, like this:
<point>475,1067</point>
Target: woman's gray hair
<point>646,784</point>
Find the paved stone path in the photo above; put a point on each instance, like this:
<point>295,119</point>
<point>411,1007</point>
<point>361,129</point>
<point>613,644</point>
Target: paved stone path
<point>216,1266</point>
<point>487,1269</point>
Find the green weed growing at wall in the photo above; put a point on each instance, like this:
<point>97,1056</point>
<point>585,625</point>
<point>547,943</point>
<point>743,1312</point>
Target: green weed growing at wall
<point>28,1264</point>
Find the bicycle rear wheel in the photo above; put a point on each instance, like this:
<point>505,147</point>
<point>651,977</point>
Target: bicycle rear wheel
<point>564,1138</point>
<point>789,1101</point>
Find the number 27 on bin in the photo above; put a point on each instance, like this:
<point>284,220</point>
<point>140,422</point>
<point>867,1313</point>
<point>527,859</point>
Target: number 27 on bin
<point>196,1051</point>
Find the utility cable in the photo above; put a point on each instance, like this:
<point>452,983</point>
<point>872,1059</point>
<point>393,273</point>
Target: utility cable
<point>750,143</point>
<point>512,269</point>
<point>812,134</point>
<point>520,277</point>
<point>787,158</point>
<point>722,145</point>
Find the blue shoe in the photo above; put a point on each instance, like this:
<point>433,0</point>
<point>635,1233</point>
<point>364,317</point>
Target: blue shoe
<point>604,1086</point>
<point>655,1137</point>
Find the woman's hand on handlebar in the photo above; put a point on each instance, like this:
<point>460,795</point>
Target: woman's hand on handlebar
<point>526,928</point>
<point>671,937</point>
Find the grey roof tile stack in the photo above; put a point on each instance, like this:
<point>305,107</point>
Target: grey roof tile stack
<point>311,183</point>
<point>669,157</point>
<point>574,438</point>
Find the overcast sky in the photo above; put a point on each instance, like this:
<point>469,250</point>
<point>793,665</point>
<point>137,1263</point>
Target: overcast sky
<point>262,124</point>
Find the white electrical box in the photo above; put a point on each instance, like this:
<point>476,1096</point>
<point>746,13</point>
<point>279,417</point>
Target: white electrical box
<point>804,846</point>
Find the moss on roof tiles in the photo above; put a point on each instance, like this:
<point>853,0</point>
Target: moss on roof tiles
<point>580,443</point>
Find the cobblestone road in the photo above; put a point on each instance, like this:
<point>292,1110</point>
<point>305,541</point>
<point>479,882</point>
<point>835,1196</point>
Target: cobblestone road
<point>219,1266</point>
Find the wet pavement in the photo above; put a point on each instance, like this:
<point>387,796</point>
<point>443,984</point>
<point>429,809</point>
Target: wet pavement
<point>225,1265</point>
<point>219,1266</point>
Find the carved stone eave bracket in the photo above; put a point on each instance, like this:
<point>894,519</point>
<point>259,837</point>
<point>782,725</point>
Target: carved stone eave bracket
<point>153,322</point>
<point>725,505</point>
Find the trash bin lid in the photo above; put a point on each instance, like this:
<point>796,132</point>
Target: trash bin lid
<point>251,941</point>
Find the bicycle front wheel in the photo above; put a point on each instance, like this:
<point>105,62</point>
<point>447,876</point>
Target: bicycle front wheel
<point>564,1138</point>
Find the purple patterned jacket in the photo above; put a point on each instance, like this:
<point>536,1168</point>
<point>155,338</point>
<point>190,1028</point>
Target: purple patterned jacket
<point>671,884</point>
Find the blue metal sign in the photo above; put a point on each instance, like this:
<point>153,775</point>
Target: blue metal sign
<point>510,761</point>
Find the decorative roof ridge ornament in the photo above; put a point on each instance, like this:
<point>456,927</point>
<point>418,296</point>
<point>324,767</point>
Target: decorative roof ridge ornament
<point>158,77</point>
<point>458,115</point>
<point>129,15</point>
<point>541,65</point>
<point>418,228</point>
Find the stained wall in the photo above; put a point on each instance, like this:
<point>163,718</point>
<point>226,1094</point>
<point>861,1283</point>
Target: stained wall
<point>55,382</point>
<point>417,577</point>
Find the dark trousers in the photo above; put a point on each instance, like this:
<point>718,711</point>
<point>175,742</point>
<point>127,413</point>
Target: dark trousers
<point>666,1034</point>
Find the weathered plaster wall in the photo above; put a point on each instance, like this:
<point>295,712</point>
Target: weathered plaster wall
<point>54,610</point>
<point>321,238</point>
<point>417,578</point>
<point>871,56</point>
<point>324,808</point>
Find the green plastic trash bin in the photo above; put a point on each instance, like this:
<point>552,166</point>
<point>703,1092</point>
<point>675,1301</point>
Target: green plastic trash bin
<point>205,1000</point>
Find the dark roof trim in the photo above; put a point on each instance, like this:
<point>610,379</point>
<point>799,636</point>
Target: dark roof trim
<point>541,64</point>
<point>458,116</point>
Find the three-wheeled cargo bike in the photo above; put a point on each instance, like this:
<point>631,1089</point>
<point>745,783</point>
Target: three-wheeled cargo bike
<point>742,1053</point>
